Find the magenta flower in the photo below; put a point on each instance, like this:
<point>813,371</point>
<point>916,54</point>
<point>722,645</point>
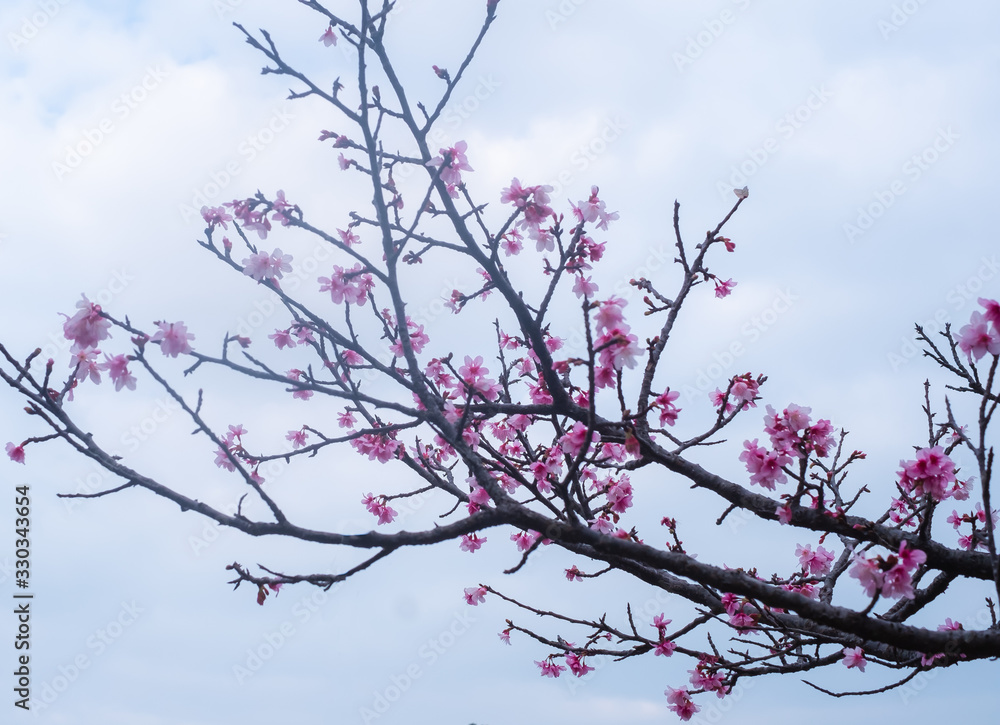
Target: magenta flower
<point>549,668</point>
<point>724,289</point>
<point>173,338</point>
<point>978,338</point>
<point>15,453</point>
<point>471,542</point>
<point>680,703</point>
<point>854,658</point>
<point>816,562</point>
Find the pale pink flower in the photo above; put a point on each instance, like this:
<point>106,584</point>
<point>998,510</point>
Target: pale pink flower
<point>297,437</point>
<point>549,668</point>
<point>86,328</point>
<point>471,542</point>
<point>117,369</point>
<point>173,338</point>
<point>816,562</point>
<point>854,657</point>
<point>475,596</point>
<point>329,37</point>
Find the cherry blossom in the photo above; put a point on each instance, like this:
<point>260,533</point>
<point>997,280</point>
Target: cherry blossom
<point>452,162</point>
<point>471,542</point>
<point>724,289</point>
<point>117,369</point>
<point>173,338</point>
<point>329,37</point>
<point>87,328</point>
<point>15,453</point>
<point>475,596</point>
<point>978,338</point>
<point>854,657</point>
<point>263,266</point>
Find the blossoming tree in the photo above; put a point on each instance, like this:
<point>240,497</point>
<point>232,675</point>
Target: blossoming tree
<point>526,443</point>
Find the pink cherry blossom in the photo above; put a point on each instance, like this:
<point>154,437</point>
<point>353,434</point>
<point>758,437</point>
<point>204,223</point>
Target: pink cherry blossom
<point>868,573</point>
<point>577,665</point>
<point>665,402</point>
<point>215,216</point>
<point>297,437</point>
<point>350,286</point>
<point>348,237</point>
<point>84,364</point>
<point>680,703</point>
<point>724,289</point>
<point>86,328</point>
<point>452,162</point>
<point>471,542</point>
<point>117,369</point>
<point>329,37</point>
<point>475,596</point>
<point>574,441</point>
<point>764,467</point>
<point>816,562</point>
<point>992,313</point>
<point>263,266</point>
<point>854,657</point>
<point>978,338</point>
<point>173,338</point>
<point>929,474</point>
<point>549,668</point>
<point>15,453</point>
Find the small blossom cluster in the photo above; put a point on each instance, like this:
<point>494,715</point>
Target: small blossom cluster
<point>452,162</point>
<point>533,203</point>
<point>350,286</point>
<point>742,614</point>
<point>380,509</point>
<point>982,334</point>
<point>930,474</point>
<point>890,576</point>
<point>792,437</point>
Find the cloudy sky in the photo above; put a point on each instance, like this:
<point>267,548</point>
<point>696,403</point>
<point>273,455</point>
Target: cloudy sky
<point>865,131</point>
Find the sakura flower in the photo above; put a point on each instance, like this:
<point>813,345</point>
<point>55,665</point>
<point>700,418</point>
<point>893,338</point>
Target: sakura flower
<point>452,162</point>
<point>86,328</point>
<point>215,216</point>
<point>471,542</point>
<point>15,453</point>
<point>329,37</point>
<point>574,441</point>
<point>992,313</point>
<point>348,237</point>
<point>297,438</point>
<point>816,562</point>
<point>868,573</point>
<point>282,339</point>
<point>680,703</point>
<point>764,467</point>
<point>117,369</point>
<point>930,474</point>
<point>474,596</point>
<point>84,364</point>
<point>949,626</point>
<point>173,338</point>
<point>724,289</point>
<point>665,402</point>
<point>976,339</point>
<point>549,668</point>
<point>665,648</point>
<point>854,657</point>
<point>577,665</point>
<point>263,266</point>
